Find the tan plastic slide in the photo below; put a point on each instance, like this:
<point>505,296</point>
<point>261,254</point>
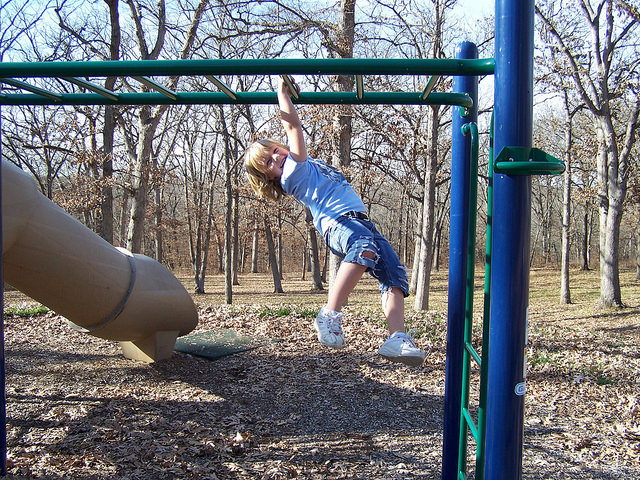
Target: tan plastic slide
<point>102,290</point>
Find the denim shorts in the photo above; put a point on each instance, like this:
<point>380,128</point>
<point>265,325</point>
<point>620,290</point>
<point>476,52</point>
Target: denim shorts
<point>349,237</point>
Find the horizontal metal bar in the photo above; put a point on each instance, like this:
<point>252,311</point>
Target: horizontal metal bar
<point>157,87</point>
<point>529,168</point>
<point>290,66</point>
<point>30,88</point>
<point>262,98</point>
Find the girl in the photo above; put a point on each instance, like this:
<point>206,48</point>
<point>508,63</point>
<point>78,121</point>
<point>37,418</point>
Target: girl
<point>339,214</point>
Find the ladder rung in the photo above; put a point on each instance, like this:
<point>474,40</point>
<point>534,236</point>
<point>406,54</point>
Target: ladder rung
<point>472,425</point>
<point>222,86</point>
<point>93,87</point>
<point>158,87</point>
<point>359,87</point>
<point>292,89</point>
<point>473,353</point>
<point>430,84</point>
<point>30,88</point>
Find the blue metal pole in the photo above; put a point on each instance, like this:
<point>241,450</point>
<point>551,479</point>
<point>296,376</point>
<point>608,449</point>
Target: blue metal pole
<point>511,232</point>
<point>459,232</point>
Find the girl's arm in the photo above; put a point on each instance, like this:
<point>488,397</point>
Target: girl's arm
<point>291,123</point>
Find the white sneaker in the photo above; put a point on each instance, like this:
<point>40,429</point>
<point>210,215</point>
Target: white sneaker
<point>328,324</point>
<point>400,347</point>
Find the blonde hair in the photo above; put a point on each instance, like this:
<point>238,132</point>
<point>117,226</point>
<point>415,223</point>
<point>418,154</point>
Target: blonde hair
<point>255,166</point>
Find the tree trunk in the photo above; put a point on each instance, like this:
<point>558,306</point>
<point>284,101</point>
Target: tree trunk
<point>106,205</point>
<point>343,48</point>
<point>254,248</point>
<point>565,291</point>
<point>236,239</point>
<point>585,240</point>
<point>306,255</point>
<point>405,231</point>
<point>440,218</point>
<point>325,264</point>
<point>194,243</point>
<point>273,260</point>
<point>207,233</point>
<point>612,190</point>
<point>159,238</point>
<point>124,212</point>
<point>316,276</point>
<point>638,250</point>
<point>413,285</point>
<point>428,221</point>
<point>426,244</point>
<point>140,184</point>
<point>228,211</point>
<point>279,245</point>
<point>436,247</point>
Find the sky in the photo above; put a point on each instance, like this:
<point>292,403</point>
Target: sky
<point>475,8</point>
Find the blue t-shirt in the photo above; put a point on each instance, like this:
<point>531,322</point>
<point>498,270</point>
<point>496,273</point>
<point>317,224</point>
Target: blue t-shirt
<point>322,188</point>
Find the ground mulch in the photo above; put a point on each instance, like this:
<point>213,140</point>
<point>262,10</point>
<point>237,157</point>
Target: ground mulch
<point>76,408</point>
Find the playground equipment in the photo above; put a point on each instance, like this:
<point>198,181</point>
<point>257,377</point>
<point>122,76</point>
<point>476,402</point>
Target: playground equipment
<point>500,425</point>
<point>105,291</point>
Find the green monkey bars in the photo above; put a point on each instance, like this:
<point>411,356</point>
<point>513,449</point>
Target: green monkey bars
<point>512,161</point>
<point>20,75</point>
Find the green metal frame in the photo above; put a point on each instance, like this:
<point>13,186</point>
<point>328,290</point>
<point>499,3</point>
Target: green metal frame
<point>469,352</point>
<point>510,161</point>
<point>18,74</point>
<point>527,161</point>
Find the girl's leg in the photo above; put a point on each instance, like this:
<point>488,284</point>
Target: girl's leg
<point>399,347</point>
<point>393,307</point>
<point>346,280</point>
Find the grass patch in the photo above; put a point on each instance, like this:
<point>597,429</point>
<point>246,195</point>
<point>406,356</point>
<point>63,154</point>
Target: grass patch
<point>542,358</point>
<point>597,373</point>
<point>25,311</point>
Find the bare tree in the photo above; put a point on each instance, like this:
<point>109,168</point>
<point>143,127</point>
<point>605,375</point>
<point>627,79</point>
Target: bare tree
<point>149,118</point>
<point>89,35</point>
<point>605,73</point>
<point>428,218</point>
<point>42,141</point>
<point>565,290</point>
<point>342,47</point>
<point>109,128</point>
<point>200,169</point>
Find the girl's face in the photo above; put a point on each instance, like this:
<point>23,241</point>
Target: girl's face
<point>275,161</point>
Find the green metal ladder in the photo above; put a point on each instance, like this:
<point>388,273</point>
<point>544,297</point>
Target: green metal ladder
<point>469,352</point>
<point>511,161</point>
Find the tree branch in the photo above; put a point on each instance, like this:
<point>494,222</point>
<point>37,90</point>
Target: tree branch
<point>572,63</point>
